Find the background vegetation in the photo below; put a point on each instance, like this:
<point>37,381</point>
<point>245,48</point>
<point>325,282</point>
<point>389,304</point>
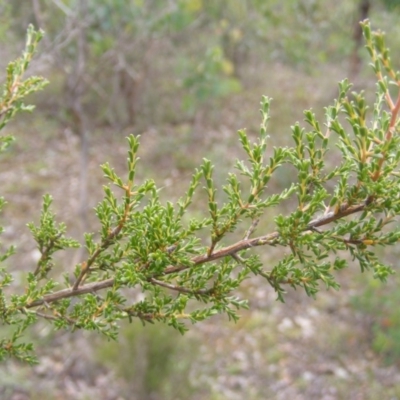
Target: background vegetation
<point>186,75</point>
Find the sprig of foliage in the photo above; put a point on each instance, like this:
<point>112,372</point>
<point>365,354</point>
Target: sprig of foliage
<point>176,273</point>
<point>15,88</point>
<point>12,93</point>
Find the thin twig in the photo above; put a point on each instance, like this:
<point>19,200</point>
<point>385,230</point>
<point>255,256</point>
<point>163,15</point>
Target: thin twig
<point>252,228</point>
<point>237,258</point>
<point>180,288</point>
<point>86,265</point>
<point>45,253</point>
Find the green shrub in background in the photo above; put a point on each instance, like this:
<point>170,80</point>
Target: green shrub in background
<point>212,78</point>
<point>187,269</point>
<point>149,361</point>
<point>148,62</point>
<point>379,306</point>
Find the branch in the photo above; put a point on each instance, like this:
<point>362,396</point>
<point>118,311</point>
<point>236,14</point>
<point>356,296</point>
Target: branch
<point>70,292</point>
<point>344,211</point>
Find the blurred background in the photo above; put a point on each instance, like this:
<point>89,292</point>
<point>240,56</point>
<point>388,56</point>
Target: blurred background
<point>186,75</point>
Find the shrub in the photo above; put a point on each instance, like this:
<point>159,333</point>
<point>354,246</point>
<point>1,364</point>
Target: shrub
<point>186,268</point>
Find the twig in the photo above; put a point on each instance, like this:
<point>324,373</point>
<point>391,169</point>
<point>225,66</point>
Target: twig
<point>252,228</point>
<point>180,288</point>
<point>45,253</point>
<point>86,265</point>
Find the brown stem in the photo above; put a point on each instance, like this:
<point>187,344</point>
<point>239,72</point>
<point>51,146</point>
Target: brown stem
<point>393,118</point>
<point>70,292</point>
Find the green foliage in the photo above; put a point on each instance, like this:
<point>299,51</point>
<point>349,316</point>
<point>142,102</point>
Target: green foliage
<point>50,238</point>
<point>15,89</point>
<point>187,269</point>
<point>392,4</point>
<point>210,79</point>
<point>380,305</point>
